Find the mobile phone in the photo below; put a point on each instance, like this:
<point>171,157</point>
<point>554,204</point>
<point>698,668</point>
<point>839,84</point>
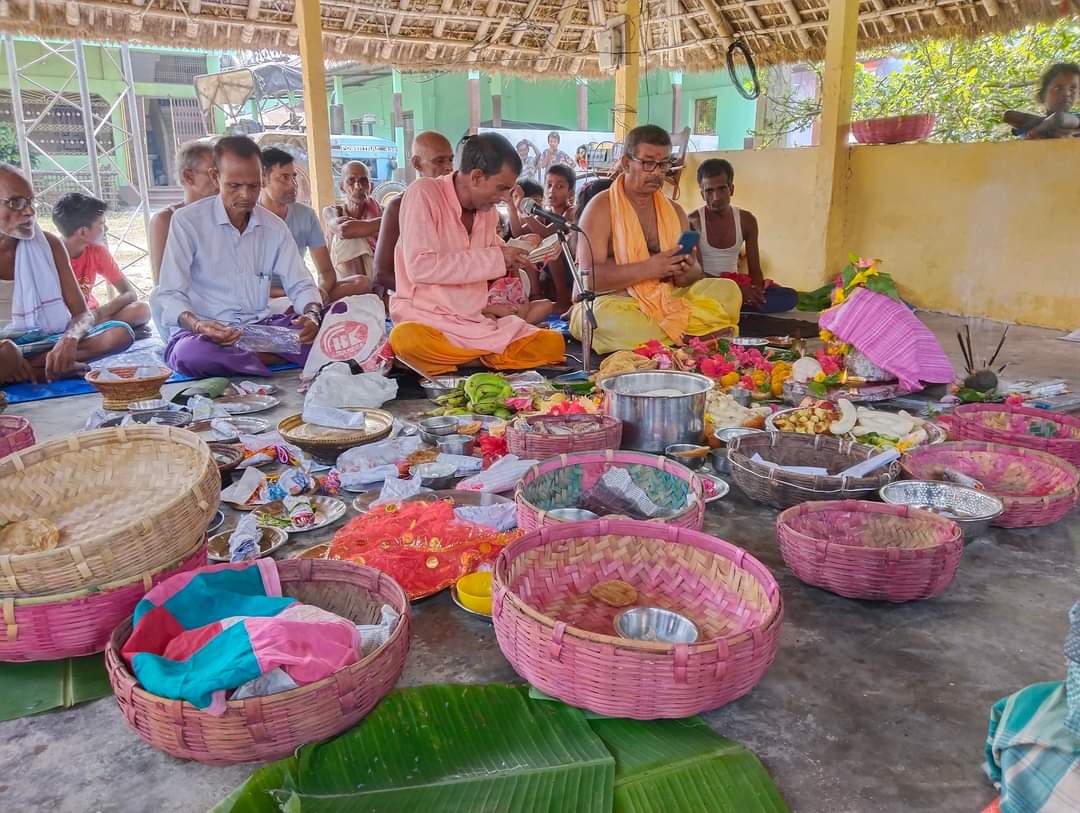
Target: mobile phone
<point>688,241</point>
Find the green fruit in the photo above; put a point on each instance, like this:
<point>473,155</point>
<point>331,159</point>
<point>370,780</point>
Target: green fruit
<point>504,413</point>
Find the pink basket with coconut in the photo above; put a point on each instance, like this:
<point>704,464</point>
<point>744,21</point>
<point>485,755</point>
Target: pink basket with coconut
<point>16,434</point>
<point>871,551</point>
<point>1037,488</point>
<point>562,639</point>
<point>559,482</point>
<point>1019,426</point>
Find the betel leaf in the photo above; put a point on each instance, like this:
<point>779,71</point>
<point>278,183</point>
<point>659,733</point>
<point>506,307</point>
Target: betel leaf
<point>683,765</point>
<point>442,748</point>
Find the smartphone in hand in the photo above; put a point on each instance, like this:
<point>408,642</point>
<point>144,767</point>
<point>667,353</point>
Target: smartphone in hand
<point>688,241</point>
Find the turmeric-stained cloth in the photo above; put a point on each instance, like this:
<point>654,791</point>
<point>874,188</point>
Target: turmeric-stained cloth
<point>442,283</point>
<point>424,546</point>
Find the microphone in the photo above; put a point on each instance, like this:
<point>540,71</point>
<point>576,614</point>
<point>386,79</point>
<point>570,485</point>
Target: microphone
<point>531,207</point>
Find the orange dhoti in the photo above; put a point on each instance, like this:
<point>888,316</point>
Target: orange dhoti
<point>429,350</point>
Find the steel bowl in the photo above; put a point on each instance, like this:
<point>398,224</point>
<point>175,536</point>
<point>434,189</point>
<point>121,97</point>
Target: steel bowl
<point>148,405</point>
<point>441,425</point>
<point>456,444</point>
<point>436,476</point>
<point>684,453</point>
<point>719,456</point>
<point>440,385</point>
<point>652,422</point>
<point>969,508</point>
<point>655,624</point>
<point>571,514</point>
<point>169,417</point>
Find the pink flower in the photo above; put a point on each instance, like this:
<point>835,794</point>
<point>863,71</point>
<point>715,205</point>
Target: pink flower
<point>829,364</point>
<point>716,366</point>
<point>519,403</point>
<point>650,349</point>
<point>865,262</point>
<point>746,382</point>
<point>1015,399</point>
<point>698,346</point>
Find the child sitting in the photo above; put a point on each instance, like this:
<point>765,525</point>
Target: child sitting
<point>507,296</point>
<point>1059,89</point>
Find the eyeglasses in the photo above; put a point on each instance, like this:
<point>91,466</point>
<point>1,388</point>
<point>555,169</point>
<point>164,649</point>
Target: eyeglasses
<point>19,203</point>
<point>652,166</point>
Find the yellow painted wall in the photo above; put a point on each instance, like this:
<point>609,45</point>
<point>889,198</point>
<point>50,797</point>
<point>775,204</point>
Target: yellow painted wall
<point>978,229</point>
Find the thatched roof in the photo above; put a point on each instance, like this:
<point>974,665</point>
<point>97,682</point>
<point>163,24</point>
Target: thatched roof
<point>547,37</point>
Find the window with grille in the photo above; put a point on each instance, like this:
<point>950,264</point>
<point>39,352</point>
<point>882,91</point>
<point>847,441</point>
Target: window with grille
<point>61,131</point>
<point>179,69</point>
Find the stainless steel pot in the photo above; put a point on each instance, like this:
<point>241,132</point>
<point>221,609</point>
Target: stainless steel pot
<point>651,422</point>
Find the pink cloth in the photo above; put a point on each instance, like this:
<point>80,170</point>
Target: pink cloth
<point>443,271</point>
<point>507,291</point>
<point>891,336</point>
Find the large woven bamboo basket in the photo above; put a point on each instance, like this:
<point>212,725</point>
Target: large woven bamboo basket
<point>126,501</point>
<point>599,432</point>
<point>275,725</point>
<point>562,640</point>
<point>44,628</point>
<point>783,489</point>
<point>559,481</point>
<point>1013,425</point>
<point>869,550</point>
<point>1037,488</point>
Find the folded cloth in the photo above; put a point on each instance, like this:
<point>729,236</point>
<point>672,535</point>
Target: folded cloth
<point>616,493</point>
<point>656,299</point>
<point>1030,754</point>
<point>333,417</point>
<point>37,301</point>
<point>201,633</point>
<point>891,336</point>
<point>501,517</point>
<point>244,540</point>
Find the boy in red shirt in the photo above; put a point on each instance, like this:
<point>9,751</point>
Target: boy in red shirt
<point>80,220</point>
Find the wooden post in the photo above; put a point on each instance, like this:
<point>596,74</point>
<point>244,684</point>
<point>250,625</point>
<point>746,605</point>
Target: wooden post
<point>627,76</point>
<point>496,101</point>
<point>830,190</point>
<point>582,104</point>
<point>316,114</point>
<point>676,101</point>
<point>474,102</point>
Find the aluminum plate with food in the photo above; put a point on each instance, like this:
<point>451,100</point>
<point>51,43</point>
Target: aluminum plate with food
<point>326,510</point>
<point>871,427</point>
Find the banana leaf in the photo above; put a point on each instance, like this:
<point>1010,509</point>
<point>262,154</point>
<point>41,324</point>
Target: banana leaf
<point>446,747</point>
<point>491,748</point>
<point>31,688</point>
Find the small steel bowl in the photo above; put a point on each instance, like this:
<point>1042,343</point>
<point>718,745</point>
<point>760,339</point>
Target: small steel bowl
<point>436,476</point>
<point>441,425</point>
<point>969,508</point>
<point>169,417</point>
<point>148,405</point>
<point>571,514</point>
<point>439,386</point>
<point>456,444</point>
<point>655,624</point>
<point>685,453</point>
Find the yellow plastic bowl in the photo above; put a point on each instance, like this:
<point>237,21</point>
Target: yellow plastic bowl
<point>474,592</point>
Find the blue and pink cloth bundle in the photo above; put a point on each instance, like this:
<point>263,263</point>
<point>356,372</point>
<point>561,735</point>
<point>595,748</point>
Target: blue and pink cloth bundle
<point>201,634</point>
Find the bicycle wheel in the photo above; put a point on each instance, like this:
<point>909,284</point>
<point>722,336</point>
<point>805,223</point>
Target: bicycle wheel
<point>743,72</point>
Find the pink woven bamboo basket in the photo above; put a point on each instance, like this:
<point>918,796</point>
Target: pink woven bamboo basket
<point>893,129</point>
<point>15,433</point>
<point>562,640</point>
<point>1037,488</point>
<point>1020,426</point>
<point>598,432</point>
<point>45,628</point>
<point>869,550</point>
<point>560,481</point>
<point>273,726</point>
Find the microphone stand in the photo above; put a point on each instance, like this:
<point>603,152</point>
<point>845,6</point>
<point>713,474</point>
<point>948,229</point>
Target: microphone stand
<point>585,296</point>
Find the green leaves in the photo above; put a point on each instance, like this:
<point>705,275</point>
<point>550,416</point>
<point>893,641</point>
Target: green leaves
<point>30,688</point>
<point>491,748</point>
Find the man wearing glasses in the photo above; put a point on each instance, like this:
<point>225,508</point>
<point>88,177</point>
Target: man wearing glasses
<point>725,229</point>
<point>651,288</point>
<point>46,328</point>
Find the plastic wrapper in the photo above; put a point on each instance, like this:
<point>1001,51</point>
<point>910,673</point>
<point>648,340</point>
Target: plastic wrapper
<point>329,484</point>
<point>810,470</point>
<point>250,489</point>
<point>333,417</point>
<point>466,464</point>
<point>396,489</point>
<point>204,409</point>
<point>281,341</point>
<point>363,466</point>
<point>501,517</point>
<point>503,475</point>
<point>336,386</point>
<point>372,636</point>
<point>244,540</point>
<point>300,511</point>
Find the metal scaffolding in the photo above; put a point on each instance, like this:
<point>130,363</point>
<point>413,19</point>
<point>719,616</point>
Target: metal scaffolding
<point>114,138</point>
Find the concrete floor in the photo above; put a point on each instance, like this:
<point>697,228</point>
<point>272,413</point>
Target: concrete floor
<point>868,706</point>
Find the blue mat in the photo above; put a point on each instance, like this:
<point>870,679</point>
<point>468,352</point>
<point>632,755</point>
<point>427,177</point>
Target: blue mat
<point>22,393</point>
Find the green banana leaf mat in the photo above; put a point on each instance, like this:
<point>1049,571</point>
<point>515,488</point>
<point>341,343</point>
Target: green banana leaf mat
<point>30,688</point>
<point>492,749</point>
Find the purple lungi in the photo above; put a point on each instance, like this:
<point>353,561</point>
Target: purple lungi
<point>199,357</point>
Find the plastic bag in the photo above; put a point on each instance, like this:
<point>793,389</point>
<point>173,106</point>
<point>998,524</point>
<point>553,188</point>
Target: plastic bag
<point>502,476</point>
<point>282,341</point>
<point>337,387</point>
<point>353,329</point>
<point>244,540</point>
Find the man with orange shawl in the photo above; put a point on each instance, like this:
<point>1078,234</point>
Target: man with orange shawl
<point>648,290</point>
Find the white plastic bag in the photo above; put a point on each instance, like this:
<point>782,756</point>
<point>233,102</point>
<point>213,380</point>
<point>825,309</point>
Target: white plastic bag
<point>354,328</point>
<point>337,387</point>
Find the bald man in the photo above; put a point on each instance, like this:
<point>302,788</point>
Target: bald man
<point>354,224</point>
<point>432,157</point>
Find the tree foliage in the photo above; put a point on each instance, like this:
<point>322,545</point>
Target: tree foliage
<point>9,148</point>
<point>966,83</point>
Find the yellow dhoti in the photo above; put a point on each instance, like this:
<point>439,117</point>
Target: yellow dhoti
<point>428,350</point>
<point>621,325</point>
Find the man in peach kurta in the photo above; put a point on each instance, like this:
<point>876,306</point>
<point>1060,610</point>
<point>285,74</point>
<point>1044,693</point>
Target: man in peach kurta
<point>447,255</point>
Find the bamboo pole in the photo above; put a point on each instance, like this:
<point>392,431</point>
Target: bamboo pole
<point>627,76</point>
<point>316,115</point>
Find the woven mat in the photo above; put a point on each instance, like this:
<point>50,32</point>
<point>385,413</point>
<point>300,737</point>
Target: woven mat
<point>31,688</point>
